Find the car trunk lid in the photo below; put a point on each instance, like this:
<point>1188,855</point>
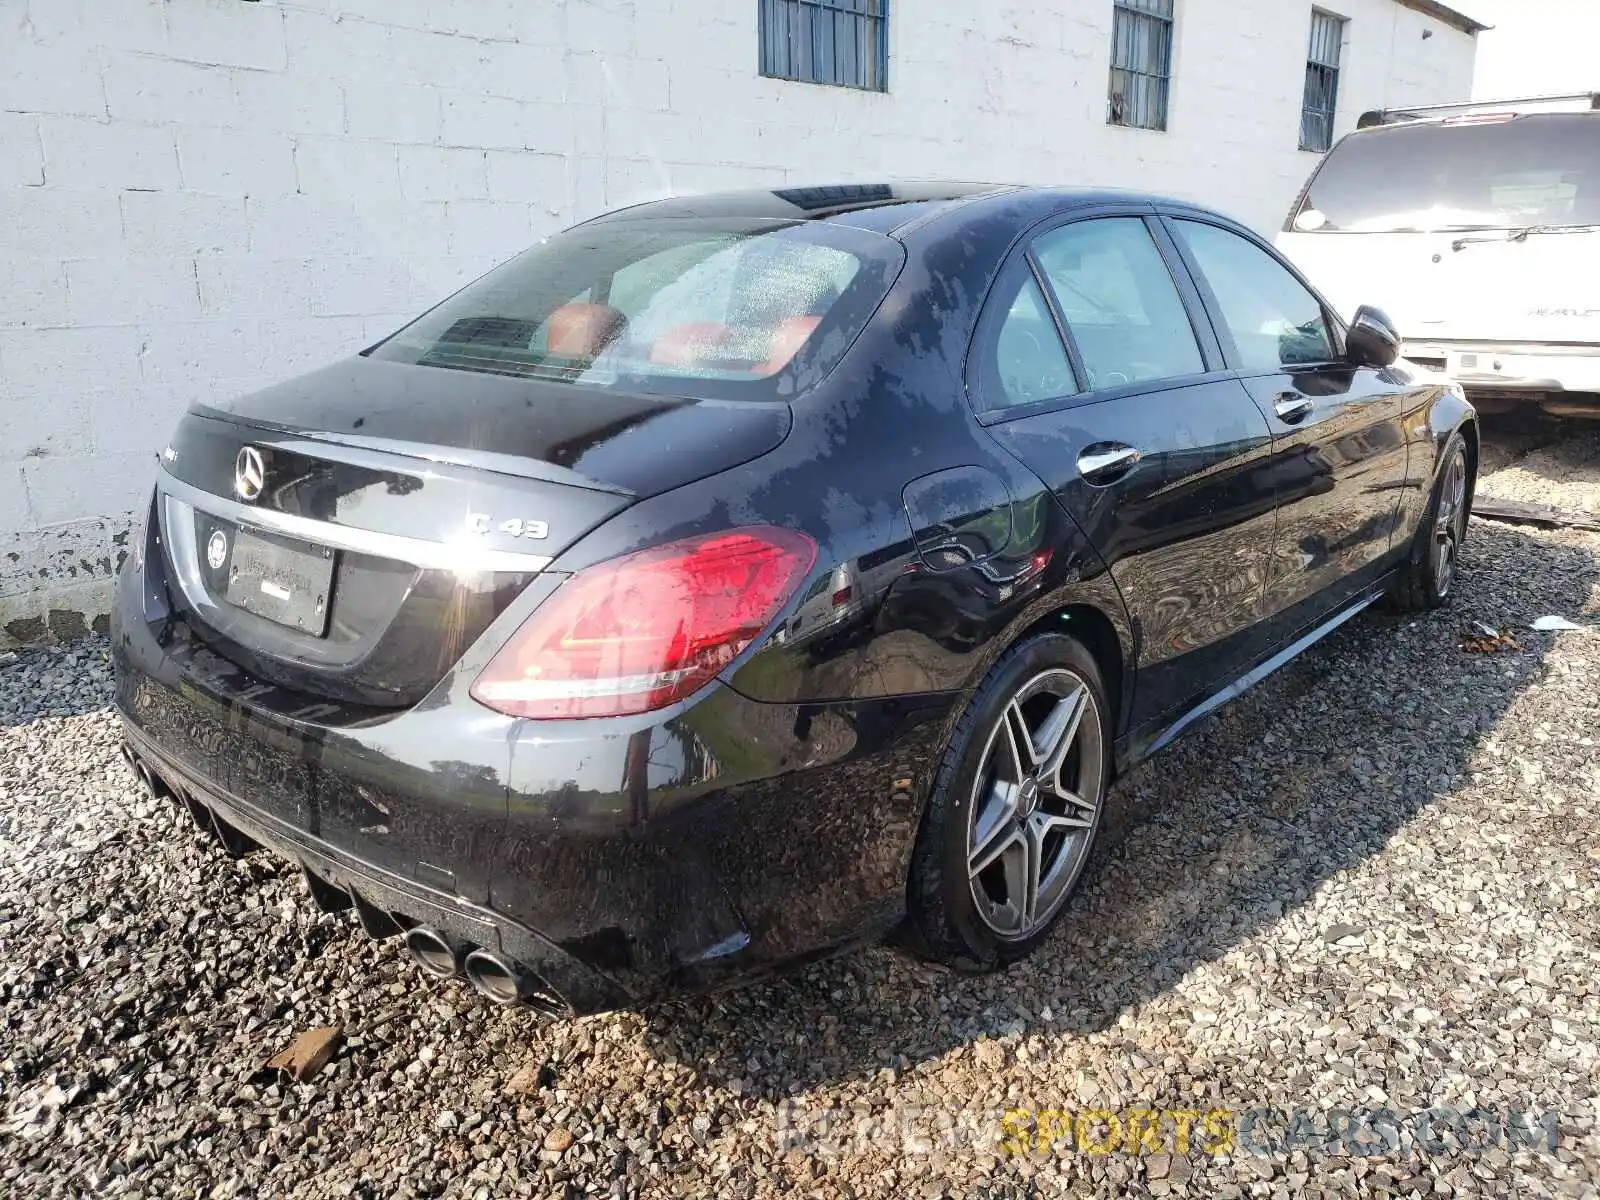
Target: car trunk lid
<point>349,534</point>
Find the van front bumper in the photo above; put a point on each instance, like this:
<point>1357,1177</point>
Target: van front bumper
<point>1561,379</point>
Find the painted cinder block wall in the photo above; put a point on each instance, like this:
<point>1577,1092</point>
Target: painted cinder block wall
<point>199,197</point>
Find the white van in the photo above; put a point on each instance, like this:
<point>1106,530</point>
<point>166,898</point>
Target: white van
<point>1476,227</point>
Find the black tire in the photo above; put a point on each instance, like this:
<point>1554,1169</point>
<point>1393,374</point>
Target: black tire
<point>1428,575</point>
<point>944,919</point>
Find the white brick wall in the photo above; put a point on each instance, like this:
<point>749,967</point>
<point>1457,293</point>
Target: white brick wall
<point>198,197</point>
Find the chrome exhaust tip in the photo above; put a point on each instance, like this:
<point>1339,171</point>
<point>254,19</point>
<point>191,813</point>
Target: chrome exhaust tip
<point>507,983</point>
<point>433,952</point>
<point>493,977</point>
<point>138,767</point>
<point>153,783</point>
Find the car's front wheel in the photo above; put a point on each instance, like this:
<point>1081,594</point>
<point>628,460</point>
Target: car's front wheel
<point>1428,574</point>
<point>1014,809</point>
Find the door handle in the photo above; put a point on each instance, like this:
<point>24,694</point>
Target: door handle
<point>1106,462</point>
<point>1292,406</point>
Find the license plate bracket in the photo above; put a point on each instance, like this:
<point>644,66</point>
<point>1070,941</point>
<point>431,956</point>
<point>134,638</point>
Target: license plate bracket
<point>285,581</point>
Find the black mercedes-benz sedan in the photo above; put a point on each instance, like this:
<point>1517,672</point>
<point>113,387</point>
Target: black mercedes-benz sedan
<point>727,580</point>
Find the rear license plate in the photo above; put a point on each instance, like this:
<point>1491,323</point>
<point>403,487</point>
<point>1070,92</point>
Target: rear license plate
<point>288,582</point>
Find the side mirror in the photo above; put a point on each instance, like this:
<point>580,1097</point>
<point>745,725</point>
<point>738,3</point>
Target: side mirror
<point>1372,340</point>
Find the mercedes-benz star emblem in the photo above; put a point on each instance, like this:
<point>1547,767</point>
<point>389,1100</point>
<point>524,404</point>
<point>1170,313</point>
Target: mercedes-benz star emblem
<point>217,550</point>
<point>1028,799</point>
<point>249,473</point>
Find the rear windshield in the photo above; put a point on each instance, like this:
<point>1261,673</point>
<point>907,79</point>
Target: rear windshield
<point>681,306</point>
<point>1536,170</point>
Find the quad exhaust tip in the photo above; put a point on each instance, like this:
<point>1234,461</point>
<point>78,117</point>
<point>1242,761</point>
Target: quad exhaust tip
<point>433,952</point>
<point>497,979</point>
<point>493,977</point>
<point>146,777</point>
<point>509,983</point>
<point>153,783</point>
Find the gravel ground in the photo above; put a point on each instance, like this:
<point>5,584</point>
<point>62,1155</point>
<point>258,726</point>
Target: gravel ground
<point>1371,884</point>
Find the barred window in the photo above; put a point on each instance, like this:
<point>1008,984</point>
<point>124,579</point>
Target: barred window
<point>842,42</point>
<point>1141,63</point>
<point>1322,82</point>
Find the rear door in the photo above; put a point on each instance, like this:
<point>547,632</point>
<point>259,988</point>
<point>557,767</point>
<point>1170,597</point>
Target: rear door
<point>1339,430</point>
<point>1095,367</point>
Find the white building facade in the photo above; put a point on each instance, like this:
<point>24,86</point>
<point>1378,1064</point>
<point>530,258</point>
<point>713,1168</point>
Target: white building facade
<point>200,197</point>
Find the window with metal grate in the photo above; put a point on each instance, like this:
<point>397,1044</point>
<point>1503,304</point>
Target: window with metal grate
<point>1322,82</point>
<point>1141,63</point>
<point>840,42</point>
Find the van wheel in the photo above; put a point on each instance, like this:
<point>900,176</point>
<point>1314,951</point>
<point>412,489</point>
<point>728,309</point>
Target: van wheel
<point>1015,808</point>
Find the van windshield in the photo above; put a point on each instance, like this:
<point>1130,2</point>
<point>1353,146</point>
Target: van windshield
<point>1537,170</point>
<point>735,309</point>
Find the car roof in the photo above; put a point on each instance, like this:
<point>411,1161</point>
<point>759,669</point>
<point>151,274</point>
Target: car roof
<point>880,207</point>
<point>876,206</point>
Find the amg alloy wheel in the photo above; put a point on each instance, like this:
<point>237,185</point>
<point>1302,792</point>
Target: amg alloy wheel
<point>1035,803</point>
<point>1014,809</point>
<point>1450,520</point>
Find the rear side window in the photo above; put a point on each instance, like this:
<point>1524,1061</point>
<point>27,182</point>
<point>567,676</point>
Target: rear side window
<point>1274,320</point>
<point>1120,303</point>
<point>683,306</point>
<point>1029,357</point>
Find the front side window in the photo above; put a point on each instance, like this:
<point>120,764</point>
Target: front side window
<point>842,42</point>
<point>1322,82</point>
<point>1274,320</point>
<point>1119,301</point>
<point>685,307</point>
<point>1141,63</point>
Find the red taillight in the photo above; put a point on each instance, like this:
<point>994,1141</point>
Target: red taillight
<point>646,630</point>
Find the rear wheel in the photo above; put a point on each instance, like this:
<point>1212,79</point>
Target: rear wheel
<point>1015,808</point>
<point>1428,575</point>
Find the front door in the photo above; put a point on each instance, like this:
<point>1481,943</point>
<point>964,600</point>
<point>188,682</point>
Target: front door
<point>1096,369</point>
<point>1338,430</point>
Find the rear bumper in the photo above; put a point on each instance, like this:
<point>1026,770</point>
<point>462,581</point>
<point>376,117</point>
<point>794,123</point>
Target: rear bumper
<point>386,904</point>
<point>617,860</point>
